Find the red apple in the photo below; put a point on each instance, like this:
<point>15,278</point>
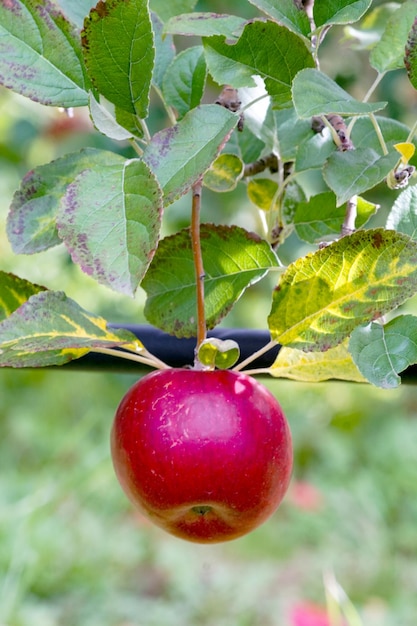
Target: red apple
<point>206,455</point>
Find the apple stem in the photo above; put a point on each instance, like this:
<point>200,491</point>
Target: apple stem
<point>198,264</point>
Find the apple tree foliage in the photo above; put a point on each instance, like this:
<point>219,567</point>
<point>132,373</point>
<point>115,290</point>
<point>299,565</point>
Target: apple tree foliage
<point>280,121</point>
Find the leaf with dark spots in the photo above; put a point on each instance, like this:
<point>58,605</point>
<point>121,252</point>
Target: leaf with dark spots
<point>410,57</point>
<point>51,329</point>
<point>325,295</point>
<point>110,220</point>
<point>233,260</point>
<point>40,54</point>
<point>31,223</point>
<point>179,155</point>
<point>119,53</point>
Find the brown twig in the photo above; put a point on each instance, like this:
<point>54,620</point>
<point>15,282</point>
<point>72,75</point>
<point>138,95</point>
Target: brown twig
<point>268,162</point>
<point>198,264</point>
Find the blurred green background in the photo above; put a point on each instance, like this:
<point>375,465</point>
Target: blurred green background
<point>74,552</point>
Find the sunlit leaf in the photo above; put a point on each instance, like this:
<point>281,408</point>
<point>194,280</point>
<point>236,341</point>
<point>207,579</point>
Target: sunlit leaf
<point>14,291</point>
<point>323,296</point>
<point>233,259</point>
<point>315,93</point>
<point>110,220</point>
<point>119,53</point>
<point>51,329</point>
<point>181,154</point>
<point>314,367</point>
<point>382,352</point>
<point>40,54</point>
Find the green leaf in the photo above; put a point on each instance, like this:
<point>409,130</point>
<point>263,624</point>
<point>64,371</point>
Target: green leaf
<point>166,10</point>
<point>40,54</point>
<point>382,352</point>
<point>388,53</point>
<point>410,58</point>
<point>224,173</point>
<point>233,260</point>
<point>355,171</point>
<point>322,297</point>
<point>104,117</point>
<point>51,329</point>
<point>364,136</point>
<point>320,218</point>
<point>119,53</point>
<point>185,80</point>
<point>180,155</point>
<point>403,215</point>
<point>31,223</point>
<point>164,51</point>
<point>314,150</point>
<point>110,220</point>
<point>291,133</point>
<point>315,93</point>
<point>339,11</point>
<point>264,48</point>
<point>293,195</point>
<point>263,193</point>
<point>219,353</point>
<point>205,25</point>
<point>315,367</point>
<point>287,13</point>
<point>14,291</point>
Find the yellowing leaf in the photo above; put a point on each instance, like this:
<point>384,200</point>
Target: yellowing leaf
<point>51,329</point>
<point>224,173</point>
<point>315,367</point>
<point>322,297</point>
<point>406,149</point>
<point>263,193</point>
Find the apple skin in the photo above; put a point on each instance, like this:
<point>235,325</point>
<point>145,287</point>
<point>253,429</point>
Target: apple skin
<point>205,455</point>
